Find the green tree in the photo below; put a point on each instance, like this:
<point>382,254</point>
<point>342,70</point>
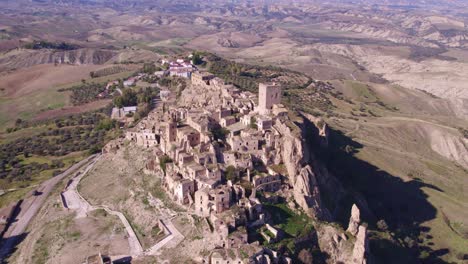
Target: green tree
<point>253,123</point>
<point>219,133</point>
<point>231,174</point>
<point>106,124</point>
<point>163,161</point>
<point>128,98</point>
<point>196,59</point>
<point>18,122</point>
<point>149,68</point>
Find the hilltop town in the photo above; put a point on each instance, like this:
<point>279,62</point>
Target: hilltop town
<point>232,157</point>
<point>233,131</point>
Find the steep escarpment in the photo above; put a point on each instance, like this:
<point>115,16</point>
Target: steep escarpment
<point>295,157</point>
<point>315,189</point>
<point>26,58</point>
<point>317,192</point>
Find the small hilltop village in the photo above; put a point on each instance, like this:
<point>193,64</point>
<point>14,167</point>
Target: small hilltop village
<point>204,142</point>
<point>221,154</point>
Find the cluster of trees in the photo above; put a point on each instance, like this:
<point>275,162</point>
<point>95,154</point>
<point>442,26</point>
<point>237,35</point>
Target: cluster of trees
<point>128,98</point>
<point>172,82</point>
<point>197,58</point>
<point>14,170</point>
<point>85,92</point>
<point>87,118</point>
<point>146,95</point>
<point>163,161</point>
<point>231,174</point>
<point>219,133</point>
<point>50,45</point>
<point>107,71</point>
<point>79,132</point>
<point>177,84</point>
<point>247,76</point>
<point>150,79</point>
<point>57,142</point>
<point>142,98</point>
<point>150,68</point>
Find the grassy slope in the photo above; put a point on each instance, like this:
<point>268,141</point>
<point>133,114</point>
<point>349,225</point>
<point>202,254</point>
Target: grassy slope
<point>391,142</point>
<point>44,98</point>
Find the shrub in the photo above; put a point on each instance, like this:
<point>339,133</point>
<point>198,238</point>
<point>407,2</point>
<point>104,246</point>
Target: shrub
<point>382,225</point>
<point>163,161</point>
<point>196,59</point>
<point>231,174</point>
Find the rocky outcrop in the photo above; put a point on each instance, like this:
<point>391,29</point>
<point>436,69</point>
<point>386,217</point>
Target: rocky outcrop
<point>339,247</point>
<point>354,220</point>
<point>228,43</point>
<point>335,244</point>
<point>296,158</point>
<point>307,193</point>
<point>301,144</point>
<point>361,246</point>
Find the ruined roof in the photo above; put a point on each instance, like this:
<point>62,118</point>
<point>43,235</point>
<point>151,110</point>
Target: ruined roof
<point>186,129</point>
<point>229,118</point>
<point>236,127</point>
<point>195,166</point>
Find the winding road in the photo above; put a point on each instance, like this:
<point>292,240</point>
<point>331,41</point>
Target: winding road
<point>73,200</point>
<point>31,206</point>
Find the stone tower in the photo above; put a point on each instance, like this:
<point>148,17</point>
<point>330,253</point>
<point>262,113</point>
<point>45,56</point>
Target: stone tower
<point>269,94</point>
<point>171,130</point>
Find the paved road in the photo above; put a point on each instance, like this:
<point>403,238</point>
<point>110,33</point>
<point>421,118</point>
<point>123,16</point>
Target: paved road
<point>31,206</point>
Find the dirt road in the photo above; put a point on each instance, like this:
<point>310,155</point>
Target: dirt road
<point>31,206</point>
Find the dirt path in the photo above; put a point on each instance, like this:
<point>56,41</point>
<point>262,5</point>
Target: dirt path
<point>171,240</point>
<point>410,119</point>
<point>356,129</point>
<point>73,200</point>
<point>174,237</point>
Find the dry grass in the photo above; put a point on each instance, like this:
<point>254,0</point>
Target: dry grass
<point>70,240</point>
<point>403,144</point>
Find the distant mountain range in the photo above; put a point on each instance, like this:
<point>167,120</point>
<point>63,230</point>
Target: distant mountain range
<point>184,3</point>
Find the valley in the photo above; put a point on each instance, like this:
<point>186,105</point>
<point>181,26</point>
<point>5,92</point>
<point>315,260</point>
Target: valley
<point>389,80</point>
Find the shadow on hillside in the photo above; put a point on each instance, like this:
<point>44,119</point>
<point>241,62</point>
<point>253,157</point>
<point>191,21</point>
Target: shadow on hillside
<point>403,205</point>
<point>8,246</point>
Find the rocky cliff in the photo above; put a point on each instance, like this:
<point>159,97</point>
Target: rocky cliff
<point>313,185</point>
<point>295,157</point>
<point>311,181</point>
